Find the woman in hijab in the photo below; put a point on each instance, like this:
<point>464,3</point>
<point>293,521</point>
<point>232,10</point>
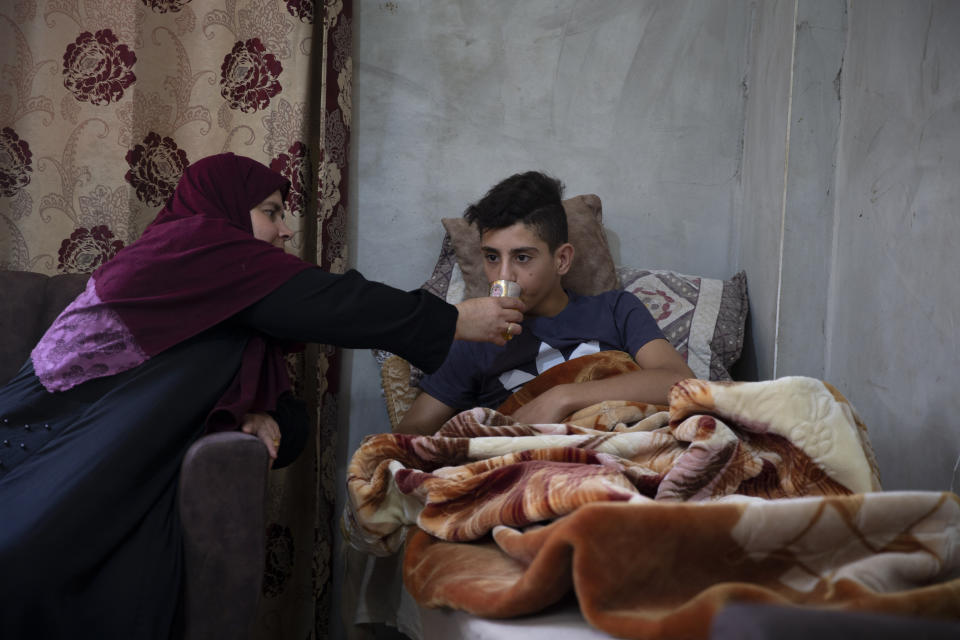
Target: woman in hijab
<point>183,331</point>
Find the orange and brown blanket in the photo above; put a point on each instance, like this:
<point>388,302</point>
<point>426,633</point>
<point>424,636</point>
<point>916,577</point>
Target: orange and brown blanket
<point>760,492</point>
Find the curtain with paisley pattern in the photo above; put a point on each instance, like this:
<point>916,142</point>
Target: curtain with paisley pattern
<point>103,103</point>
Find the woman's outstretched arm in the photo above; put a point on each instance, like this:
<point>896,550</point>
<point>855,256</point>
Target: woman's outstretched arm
<point>350,311</point>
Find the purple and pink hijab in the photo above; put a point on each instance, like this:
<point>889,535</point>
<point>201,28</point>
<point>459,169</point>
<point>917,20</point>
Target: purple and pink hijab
<point>195,265</point>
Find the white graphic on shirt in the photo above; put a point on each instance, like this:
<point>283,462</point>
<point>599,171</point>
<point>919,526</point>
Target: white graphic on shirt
<point>515,378</point>
<point>546,358</point>
<point>585,349</point>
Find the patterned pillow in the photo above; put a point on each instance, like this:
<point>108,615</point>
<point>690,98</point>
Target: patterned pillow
<point>703,318</point>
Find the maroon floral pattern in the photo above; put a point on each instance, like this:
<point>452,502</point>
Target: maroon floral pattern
<point>97,68</point>
<point>301,9</point>
<point>162,6</point>
<point>155,167</point>
<point>15,163</point>
<point>295,167</point>
<point>335,138</point>
<point>87,249</point>
<point>248,76</point>
<point>342,43</point>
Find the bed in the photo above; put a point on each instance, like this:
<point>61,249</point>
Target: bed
<point>739,502</point>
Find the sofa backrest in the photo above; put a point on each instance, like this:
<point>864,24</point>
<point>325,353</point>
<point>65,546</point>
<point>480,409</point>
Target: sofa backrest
<point>29,303</point>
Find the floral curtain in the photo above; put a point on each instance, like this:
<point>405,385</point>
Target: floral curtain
<point>103,103</point>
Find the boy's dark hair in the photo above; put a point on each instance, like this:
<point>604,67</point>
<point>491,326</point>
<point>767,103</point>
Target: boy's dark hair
<point>533,198</point>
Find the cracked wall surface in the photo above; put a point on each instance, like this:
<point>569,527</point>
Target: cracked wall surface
<point>894,315</point>
<point>850,217</point>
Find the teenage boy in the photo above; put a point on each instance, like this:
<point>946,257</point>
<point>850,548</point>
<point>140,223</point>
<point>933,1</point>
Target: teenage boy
<point>523,232</point>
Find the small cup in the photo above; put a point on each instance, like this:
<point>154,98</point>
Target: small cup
<point>505,289</point>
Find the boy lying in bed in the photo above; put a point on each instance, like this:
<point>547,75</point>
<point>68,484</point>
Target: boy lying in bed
<point>523,230</point>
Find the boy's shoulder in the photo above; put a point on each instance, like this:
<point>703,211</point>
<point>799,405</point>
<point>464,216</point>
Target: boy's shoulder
<point>610,298</point>
<point>610,294</point>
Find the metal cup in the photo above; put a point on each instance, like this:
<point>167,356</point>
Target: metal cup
<point>505,289</point>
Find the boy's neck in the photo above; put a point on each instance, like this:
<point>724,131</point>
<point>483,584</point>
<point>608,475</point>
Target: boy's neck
<point>551,305</point>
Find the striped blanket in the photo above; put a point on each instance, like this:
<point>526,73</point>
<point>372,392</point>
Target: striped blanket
<point>764,491</point>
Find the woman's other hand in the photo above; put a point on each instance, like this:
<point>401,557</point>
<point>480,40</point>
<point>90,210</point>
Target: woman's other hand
<point>263,426</point>
<point>489,319</point>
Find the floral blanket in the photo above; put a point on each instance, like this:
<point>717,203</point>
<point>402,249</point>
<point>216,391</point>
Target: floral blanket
<point>760,492</point>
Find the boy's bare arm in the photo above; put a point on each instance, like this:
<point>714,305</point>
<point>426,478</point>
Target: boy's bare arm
<point>425,416</point>
<point>661,366</point>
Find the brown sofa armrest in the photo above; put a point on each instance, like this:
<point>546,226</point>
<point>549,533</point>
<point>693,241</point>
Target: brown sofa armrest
<point>222,498</point>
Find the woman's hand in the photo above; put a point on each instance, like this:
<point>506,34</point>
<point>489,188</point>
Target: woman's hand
<point>264,427</point>
<point>489,319</point>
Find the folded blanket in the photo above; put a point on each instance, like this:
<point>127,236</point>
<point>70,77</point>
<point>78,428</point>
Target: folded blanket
<point>740,491</point>
<point>663,570</point>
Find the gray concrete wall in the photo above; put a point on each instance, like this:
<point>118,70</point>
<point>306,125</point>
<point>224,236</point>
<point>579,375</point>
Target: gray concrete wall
<point>785,219</point>
<point>807,237</point>
<point>850,221</point>
<point>894,317</point>
<point>763,177</point>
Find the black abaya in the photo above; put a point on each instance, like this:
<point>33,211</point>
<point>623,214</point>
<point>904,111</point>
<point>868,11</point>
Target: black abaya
<point>90,543</point>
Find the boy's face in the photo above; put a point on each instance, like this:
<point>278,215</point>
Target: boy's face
<point>517,253</point>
